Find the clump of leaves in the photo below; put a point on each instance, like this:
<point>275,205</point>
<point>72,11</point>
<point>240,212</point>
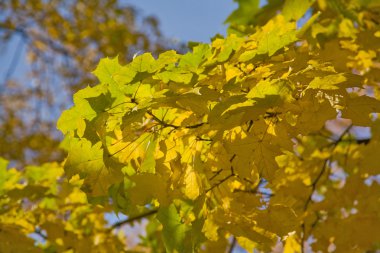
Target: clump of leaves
<point>251,140</point>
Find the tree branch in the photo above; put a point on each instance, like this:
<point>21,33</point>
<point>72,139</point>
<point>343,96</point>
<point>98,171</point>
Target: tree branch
<point>322,171</point>
<point>163,123</point>
<point>257,192</point>
<point>133,219</point>
<point>317,179</point>
<point>220,182</point>
<point>47,41</point>
<point>232,246</point>
<point>215,175</point>
<point>314,184</point>
<point>38,232</point>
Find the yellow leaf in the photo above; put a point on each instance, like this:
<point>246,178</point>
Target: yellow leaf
<point>232,72</point>
<point>291,245</point>
<point>191,183</point>
<point>246,244</point>
<point>358,109</point>
<point>210,229</point>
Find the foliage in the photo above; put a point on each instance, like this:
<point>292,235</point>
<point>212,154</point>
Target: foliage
<point>40,211</point>
<point>255,139</point>
<point>63,41</point>
<point>232,138</point>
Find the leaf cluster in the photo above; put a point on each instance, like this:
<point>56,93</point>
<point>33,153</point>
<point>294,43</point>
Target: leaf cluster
<point>251,137</point>
<point>53,45</point>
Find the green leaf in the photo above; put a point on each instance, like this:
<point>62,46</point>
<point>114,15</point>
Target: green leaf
<point>149,162</point>
<point>244,13</point>
<point>275,35</point>
<point>327,82</point>
<point>273,91</point>
<point>109,71</point>
<point>191,60</point>
<point>86,160</point>
<point>3,165</point>
<point>308,24</point>
<point>45,173</point>
<point>8,177</point>
<point>295,9</point>
<point>174,231</point>
<point>144,63</point>
<point>175,75</point>
<point>73,118</point>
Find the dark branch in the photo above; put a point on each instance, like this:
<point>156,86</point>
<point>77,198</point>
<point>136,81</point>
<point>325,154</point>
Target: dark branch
<point>361,141</point>
<point>163,123</point>
<point>255,191</point>
<point>250,124</point>
<point>317,179</point>
<point>314,184</point>
<point>314,224</point>
<point>38,232</point>
<point>303,238</point>
<point>220,182</point>
<point>215,175</point>
<point>133,219</point>
<point>322,171</point>
<point>232,246</point>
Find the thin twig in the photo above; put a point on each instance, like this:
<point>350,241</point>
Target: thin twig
<point>215,175</point>
<point>314,184</point>
<point>163,123</point>
<point>133,219</point>
<point>220,182</point>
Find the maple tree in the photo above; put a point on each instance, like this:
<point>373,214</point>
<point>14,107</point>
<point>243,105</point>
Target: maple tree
<point>60,42</point>
<point>256,140</point>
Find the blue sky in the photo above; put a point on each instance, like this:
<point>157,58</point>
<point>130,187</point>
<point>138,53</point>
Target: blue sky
<point>195,20</point>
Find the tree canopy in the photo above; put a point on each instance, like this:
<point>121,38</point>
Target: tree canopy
<point>59,42</point>
<point>267,139</point>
